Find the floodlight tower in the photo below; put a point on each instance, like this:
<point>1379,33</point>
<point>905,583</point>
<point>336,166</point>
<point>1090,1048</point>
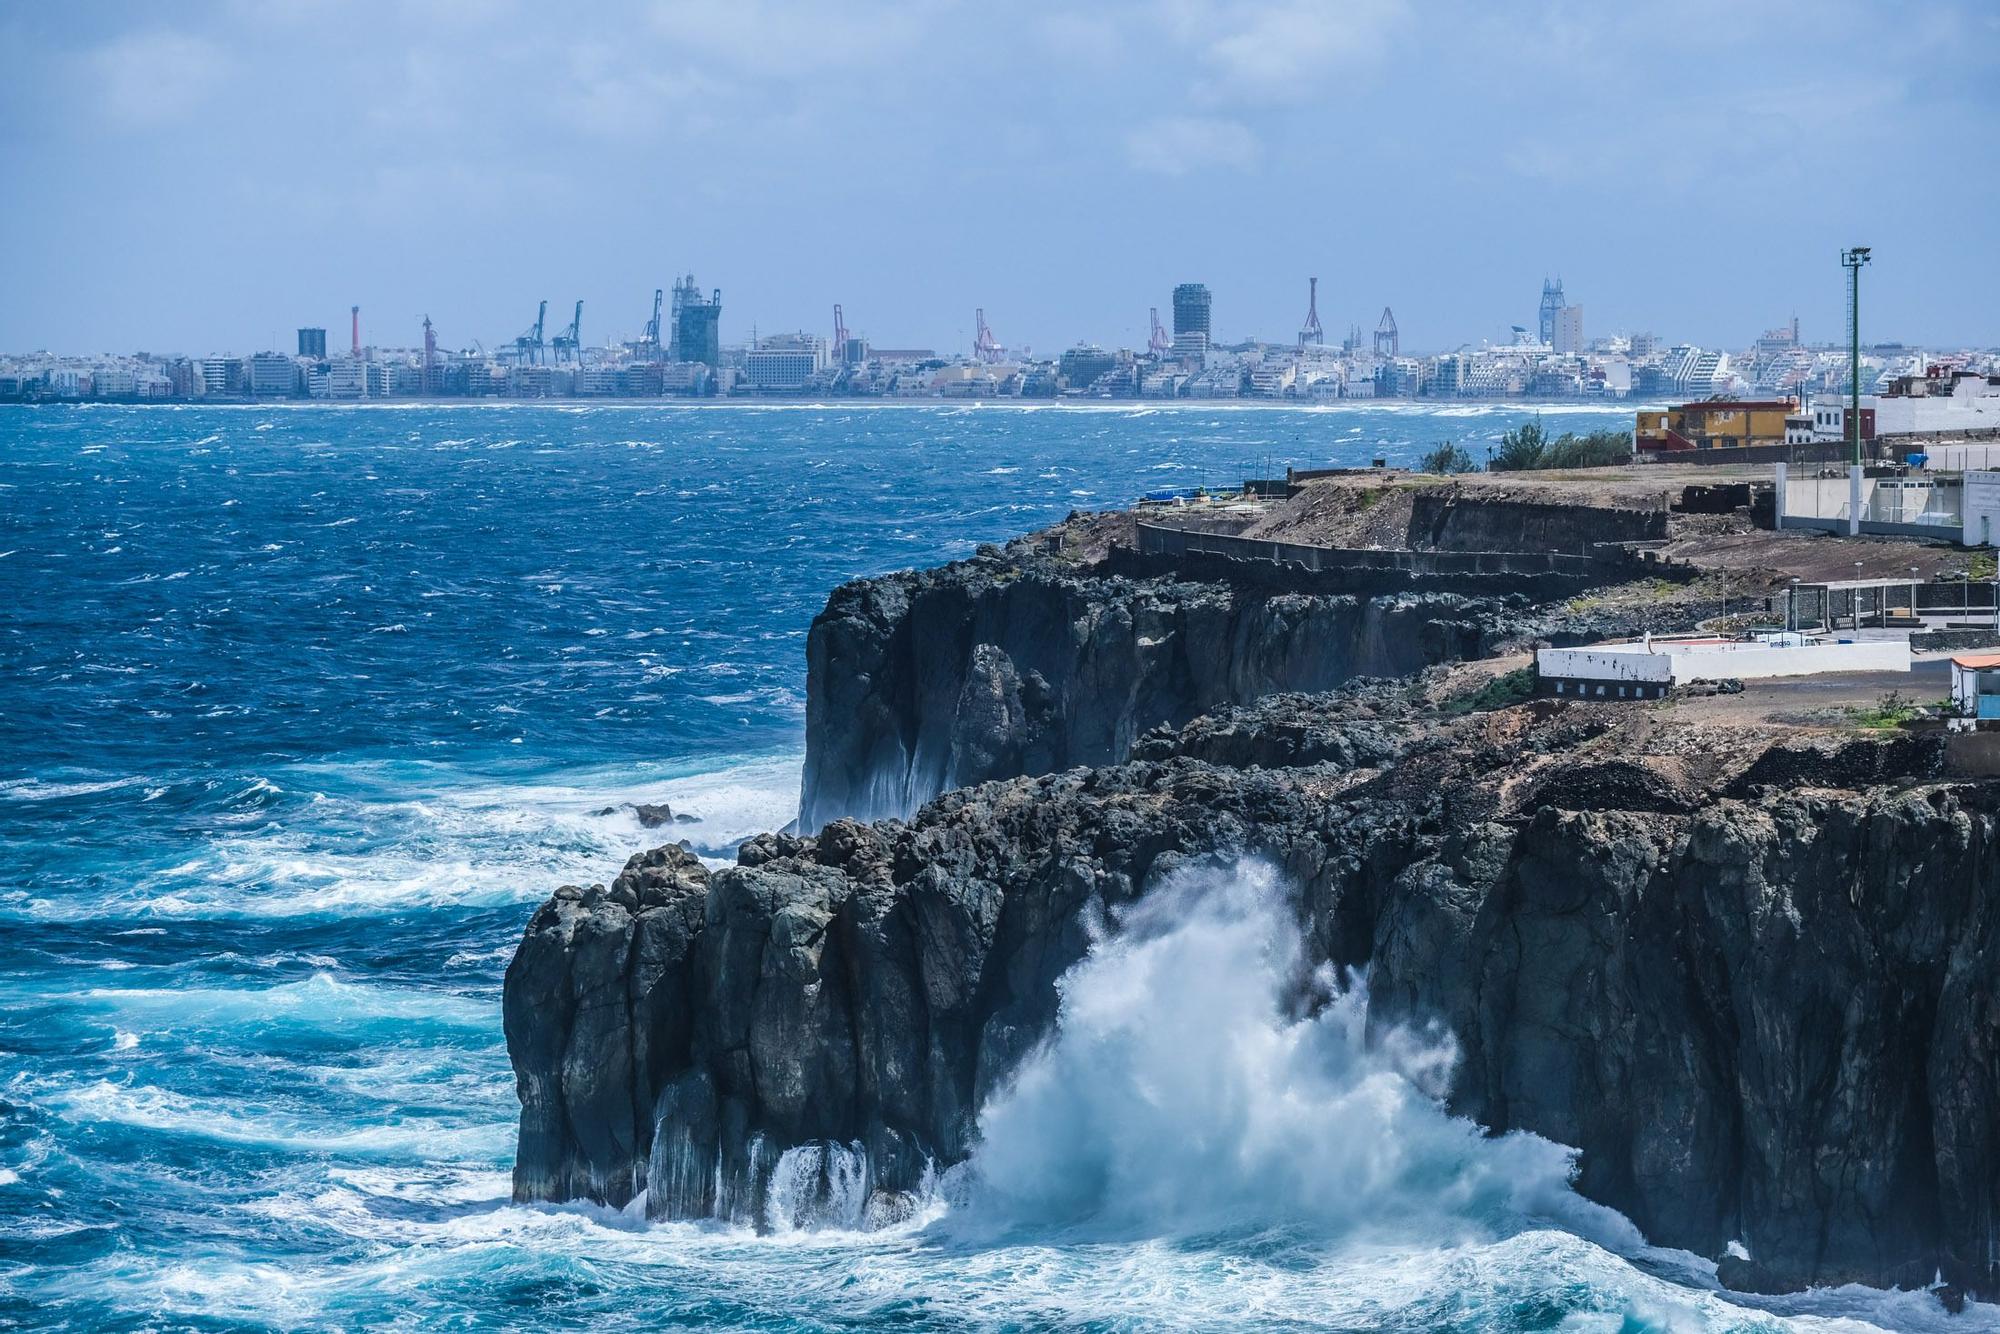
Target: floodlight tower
<point>1852,259</point>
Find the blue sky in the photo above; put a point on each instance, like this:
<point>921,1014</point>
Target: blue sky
<point>207,176</point>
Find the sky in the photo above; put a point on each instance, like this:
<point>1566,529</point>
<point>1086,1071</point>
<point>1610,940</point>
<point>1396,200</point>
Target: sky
<point>205,177</point>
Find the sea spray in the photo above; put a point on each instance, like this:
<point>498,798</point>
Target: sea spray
<point>1204,1076</point>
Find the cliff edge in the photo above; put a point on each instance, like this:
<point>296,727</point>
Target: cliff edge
<point>1749,974</point>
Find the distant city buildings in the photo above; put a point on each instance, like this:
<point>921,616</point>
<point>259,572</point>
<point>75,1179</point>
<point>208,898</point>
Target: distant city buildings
<point>1551,312</point>
<point>697,325</point>
<point>681,353</point>
<point>1568,340</point>
<point>785,361</point>
<point>1192,308</point>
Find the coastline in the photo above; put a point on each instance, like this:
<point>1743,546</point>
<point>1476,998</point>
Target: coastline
<point>1462,407</point>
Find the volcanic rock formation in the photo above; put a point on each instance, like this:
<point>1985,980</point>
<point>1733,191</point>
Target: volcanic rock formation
<point>1750,977</point>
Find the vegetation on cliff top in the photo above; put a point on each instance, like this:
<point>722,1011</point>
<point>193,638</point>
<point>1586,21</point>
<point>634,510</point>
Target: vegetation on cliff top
<point>1448,459</point>
<point>1527,447</point>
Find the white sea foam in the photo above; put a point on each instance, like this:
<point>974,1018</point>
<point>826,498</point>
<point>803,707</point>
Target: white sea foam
<point>37,789</point>
<point>163,1111</point>
<point>370,848</point>
<point>1202,1077</point>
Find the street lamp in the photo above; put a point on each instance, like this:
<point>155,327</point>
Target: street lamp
<point>1852,259</point>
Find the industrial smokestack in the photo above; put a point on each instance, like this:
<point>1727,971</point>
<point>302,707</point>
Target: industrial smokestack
<point>356,313</point>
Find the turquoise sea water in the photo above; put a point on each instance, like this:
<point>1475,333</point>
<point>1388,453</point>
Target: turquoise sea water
<point>303,710</point>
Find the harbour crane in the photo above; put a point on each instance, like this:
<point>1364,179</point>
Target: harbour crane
<point>1159,344</point>
<point>1310,333</point>
<point>1388,343</point>
<point>569,342</point>
<point>651,340</point>
<point>985,346</point>
<point>529,346</point>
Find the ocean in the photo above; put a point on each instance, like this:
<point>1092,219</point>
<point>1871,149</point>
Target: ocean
<point>304,709</point>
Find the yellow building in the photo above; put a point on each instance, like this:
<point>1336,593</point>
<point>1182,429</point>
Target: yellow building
<point>1717,423</point>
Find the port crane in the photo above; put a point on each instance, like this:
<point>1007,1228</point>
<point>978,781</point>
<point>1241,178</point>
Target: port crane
<point>650,341</point>
<point>1159,344</point>
<point>1310,334</point>
<point>985,346</point>
<point>570,340</point>
<point>528,347</point>
<point>1388,343</point>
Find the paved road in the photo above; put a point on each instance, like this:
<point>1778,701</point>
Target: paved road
<point>1808,700</point>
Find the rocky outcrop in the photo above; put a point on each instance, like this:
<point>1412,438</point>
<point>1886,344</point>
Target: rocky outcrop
<point>1010,664</point>
<point>1751,978</point>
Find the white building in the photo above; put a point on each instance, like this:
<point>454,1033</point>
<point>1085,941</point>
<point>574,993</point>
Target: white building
<point>113,382</point>
<point>1919,405</point>
<point>273,375</point>
<point>1568,340</point>
<point>220,375</point>
<point>1648,668</point>
<point>784,361</point>
<point>350,377</point>
<point>1975,685</point>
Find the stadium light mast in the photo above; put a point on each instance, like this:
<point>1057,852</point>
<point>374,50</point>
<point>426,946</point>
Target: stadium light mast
<point>1852,259</point>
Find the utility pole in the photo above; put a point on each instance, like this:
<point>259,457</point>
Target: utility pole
<point>1852,259</point>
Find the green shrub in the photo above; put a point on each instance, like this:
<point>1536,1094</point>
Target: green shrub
<point>1528,446</point>
<point>1448,459</point>
<point>1520,449</point>
<point>1503,691</point>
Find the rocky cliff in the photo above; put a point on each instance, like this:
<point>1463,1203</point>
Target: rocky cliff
<point>1751,977</point>
<point>1012,664</point>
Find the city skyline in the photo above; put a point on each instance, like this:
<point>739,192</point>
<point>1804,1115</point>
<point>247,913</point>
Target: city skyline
<point>213,177</point>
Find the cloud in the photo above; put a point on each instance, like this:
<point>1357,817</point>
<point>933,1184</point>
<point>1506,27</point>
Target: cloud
<point>1179,145</point>
<point>146,79</point>
<point>1286,52</point>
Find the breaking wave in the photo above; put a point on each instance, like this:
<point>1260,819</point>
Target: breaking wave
<point>1205,1077</point>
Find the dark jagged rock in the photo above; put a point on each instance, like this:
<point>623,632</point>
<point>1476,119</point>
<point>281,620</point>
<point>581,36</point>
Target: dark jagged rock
<point>1012,664</point>
<point>1764,1014</point>
<point>1750,974</point>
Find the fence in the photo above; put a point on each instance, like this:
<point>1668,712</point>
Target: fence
<point>1158,540</point>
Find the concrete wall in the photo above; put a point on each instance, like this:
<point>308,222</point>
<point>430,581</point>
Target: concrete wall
<point>1444,520</point>
<point>1604,664</point>
<point>1982,509</point>
<point>1667,662</point>
<point>1742,664</point>
<point>1918,505</point>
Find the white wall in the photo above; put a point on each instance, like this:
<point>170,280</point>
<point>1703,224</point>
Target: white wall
<point>1880,655</point>
<point>1982,509</point>
<point>1668,662</point>
<point>1604,664</point>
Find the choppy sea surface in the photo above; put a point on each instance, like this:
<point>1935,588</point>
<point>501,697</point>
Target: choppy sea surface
<point>302,710</point>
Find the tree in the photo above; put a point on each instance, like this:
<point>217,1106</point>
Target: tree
<point>1527,446</point>
<point>1448,459</point>
<point>1521,448</point>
